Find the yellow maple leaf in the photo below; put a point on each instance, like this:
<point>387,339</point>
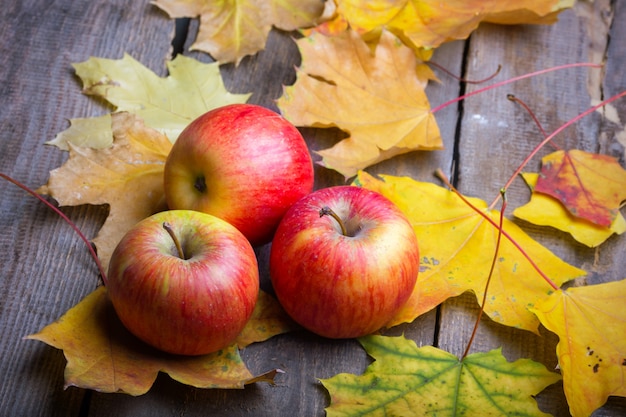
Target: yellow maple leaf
<point>230,30</point>
<point>378,98</point>
<point>591,324</point>
<point>167,104</point>
<point>102,355</point>
<point>268,319</point>
<point>429,23</point>
<point>457,247</point>
<point>545,210</point>
<point>128,176</point>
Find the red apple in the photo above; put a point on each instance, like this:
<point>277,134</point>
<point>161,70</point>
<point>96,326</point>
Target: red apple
<point>243,163</point>
<point>344,284</point>
<point>191,301</point>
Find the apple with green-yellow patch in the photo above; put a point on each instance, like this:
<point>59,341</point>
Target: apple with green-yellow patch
<point>184,282</point>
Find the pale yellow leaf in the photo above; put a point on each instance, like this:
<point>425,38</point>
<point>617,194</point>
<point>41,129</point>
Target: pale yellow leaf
<point>91,132</point>
<point>167,104</point>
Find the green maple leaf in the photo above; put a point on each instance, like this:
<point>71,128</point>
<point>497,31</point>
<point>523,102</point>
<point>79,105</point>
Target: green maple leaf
<point>408,381</point>
<point>167,104</point>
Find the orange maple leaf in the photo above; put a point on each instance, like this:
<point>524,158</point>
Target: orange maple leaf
<point>102,355</point>
<point>230,30</point>
<point>590,186</point>
<point>378,98</point>
<point>457,247</point>
<point>544,210</point>
<point>591,324</point>
<point>429,23</point>
<point>128,176</point>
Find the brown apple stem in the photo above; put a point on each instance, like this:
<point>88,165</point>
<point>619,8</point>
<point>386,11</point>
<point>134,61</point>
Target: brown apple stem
<point>170,231</point>
<point>327,211</point>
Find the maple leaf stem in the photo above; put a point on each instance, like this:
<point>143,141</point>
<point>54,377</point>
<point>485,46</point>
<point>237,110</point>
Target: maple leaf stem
<point>456,77</point>
<point>552,135</point>
<point>532,114</point>
<point>80,234</point>
<point>327,211</point>
<point>439,173</point>
<point>491,269</point>
<point>514,79</point>
<point>168,228</point>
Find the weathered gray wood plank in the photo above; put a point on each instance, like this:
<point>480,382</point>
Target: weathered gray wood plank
<point>44,269</point>
<point>496,135</point>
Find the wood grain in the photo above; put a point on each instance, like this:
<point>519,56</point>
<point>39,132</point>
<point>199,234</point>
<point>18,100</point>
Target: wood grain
<point>44,269</point>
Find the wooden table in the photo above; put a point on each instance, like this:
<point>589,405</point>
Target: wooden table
<point>44,270</point>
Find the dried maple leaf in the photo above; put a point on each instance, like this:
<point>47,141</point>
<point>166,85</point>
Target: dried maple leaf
<point>268,319</point>
<point>545,210</point>
<point>128,176</point>
<point>378,98</point>
<point>405,380</point>
<point>590,186</point>
<point>591,324</point>
<point>102,355</point>
<point>429,23</point>
<point>457,246</point>
<point>230,30</point>
<point>167,104</point>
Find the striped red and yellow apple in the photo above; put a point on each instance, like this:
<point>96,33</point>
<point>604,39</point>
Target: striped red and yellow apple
<point>243,163</point>
<point>190,298</point>
<point>343,261</point>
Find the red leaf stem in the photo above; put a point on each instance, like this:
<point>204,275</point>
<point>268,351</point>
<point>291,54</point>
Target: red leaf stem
<point>552,135</point>
<point>493,266</point>
<point>514,79</point>
<point>64,217</point>
<point>443,177</point>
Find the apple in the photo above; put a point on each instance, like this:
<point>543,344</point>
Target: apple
<point>184,282</point>
<point>343,261</point>
<point>243,163</point>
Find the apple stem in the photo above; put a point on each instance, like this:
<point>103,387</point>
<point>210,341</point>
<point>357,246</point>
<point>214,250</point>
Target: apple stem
<point>170,231</point>
<point>327,211</point>
<point>200,184</point>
